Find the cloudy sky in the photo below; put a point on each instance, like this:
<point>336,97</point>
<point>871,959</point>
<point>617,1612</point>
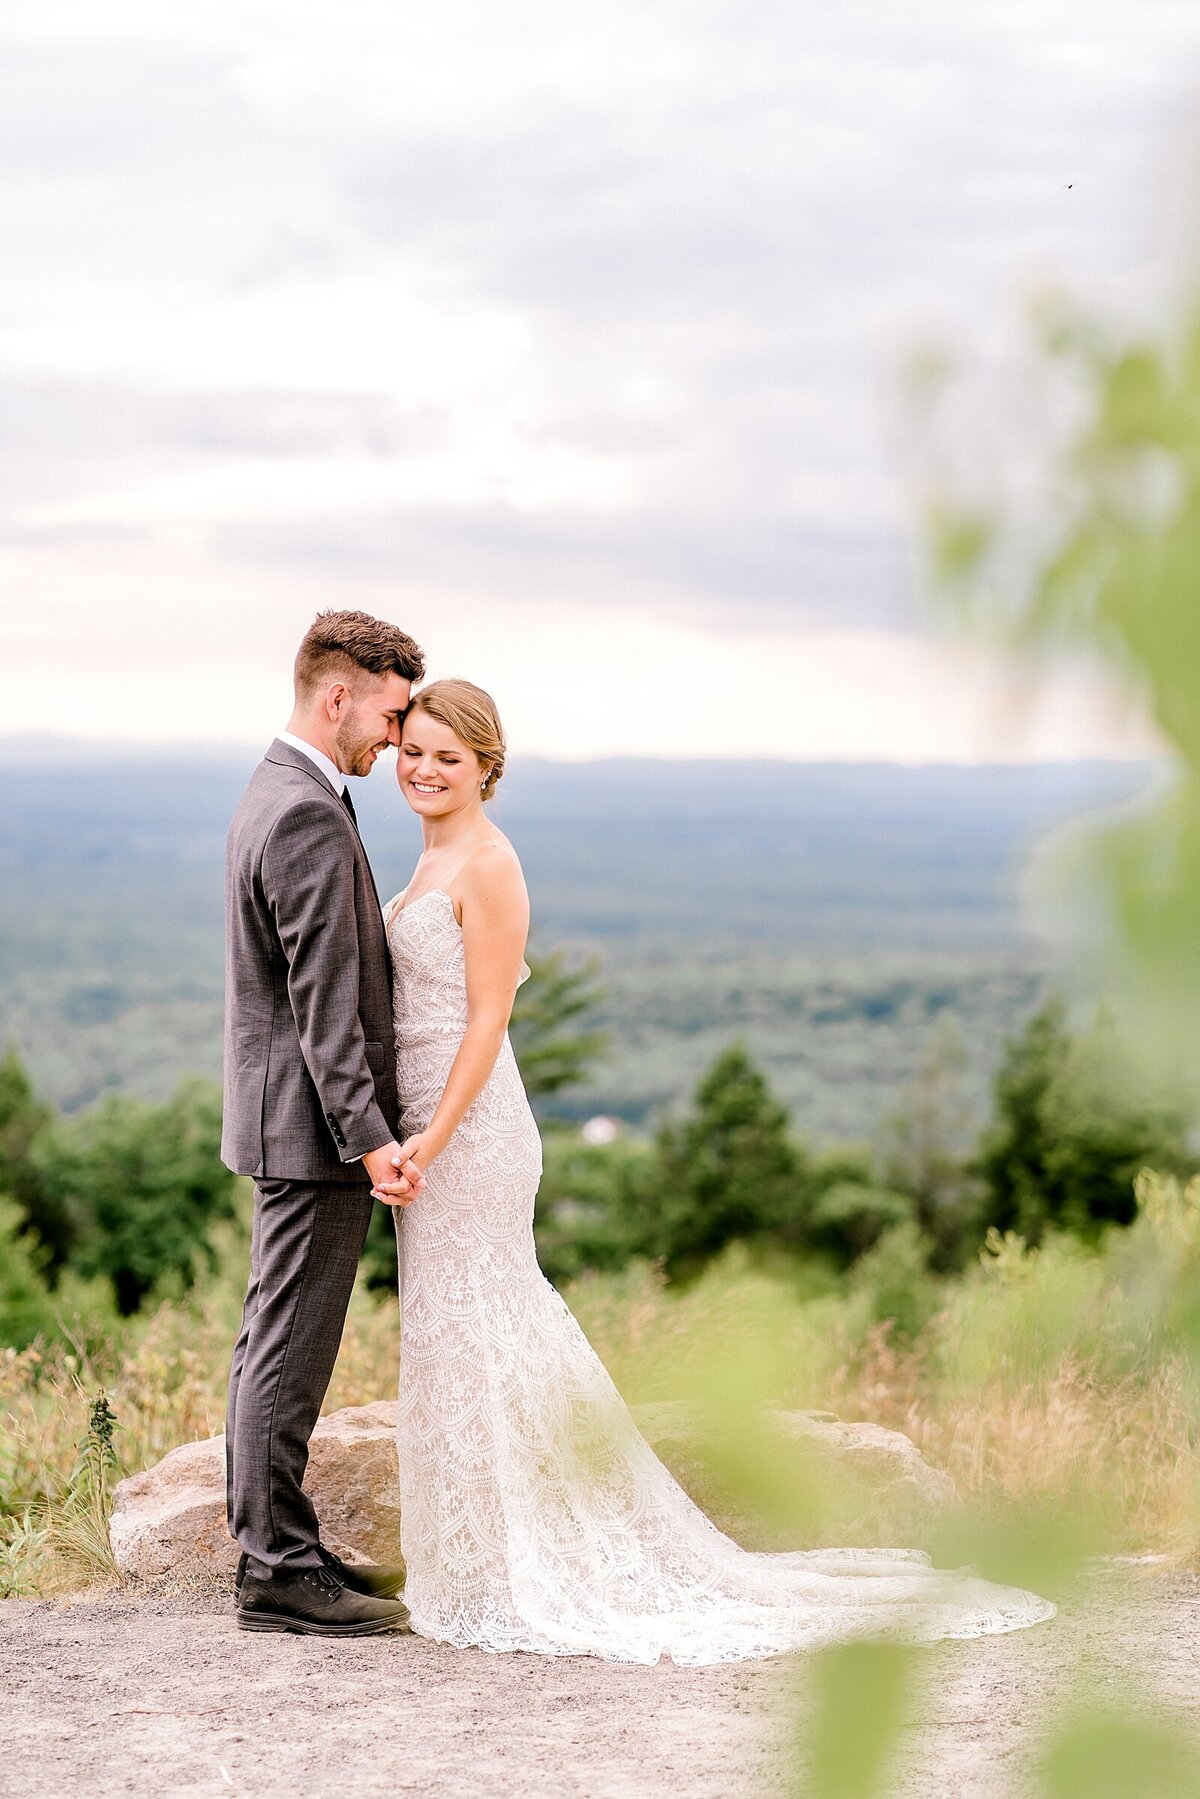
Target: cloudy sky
<point>561,335</point>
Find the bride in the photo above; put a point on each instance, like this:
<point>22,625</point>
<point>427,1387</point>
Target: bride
<point>534,1515</point>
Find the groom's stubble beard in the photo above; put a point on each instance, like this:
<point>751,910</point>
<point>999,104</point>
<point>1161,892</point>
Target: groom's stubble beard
<point>354,749</point>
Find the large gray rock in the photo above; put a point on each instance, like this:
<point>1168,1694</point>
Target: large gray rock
<point>803,1479</point>
<point>171,1519</point>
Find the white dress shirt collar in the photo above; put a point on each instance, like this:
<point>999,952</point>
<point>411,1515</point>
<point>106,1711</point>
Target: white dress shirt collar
<point>319,759</point>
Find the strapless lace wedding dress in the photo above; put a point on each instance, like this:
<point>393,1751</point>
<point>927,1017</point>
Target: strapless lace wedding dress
<point>534,1515</point>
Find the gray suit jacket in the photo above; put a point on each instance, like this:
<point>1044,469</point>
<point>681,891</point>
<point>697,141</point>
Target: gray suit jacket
<point>310,1076</point>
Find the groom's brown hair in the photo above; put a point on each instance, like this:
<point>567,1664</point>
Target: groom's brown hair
<point>338,643</point>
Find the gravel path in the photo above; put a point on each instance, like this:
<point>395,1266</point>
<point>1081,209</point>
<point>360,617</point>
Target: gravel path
<point>163,1697</point>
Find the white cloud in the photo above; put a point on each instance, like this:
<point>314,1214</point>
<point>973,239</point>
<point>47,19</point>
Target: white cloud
<point>565,309</point>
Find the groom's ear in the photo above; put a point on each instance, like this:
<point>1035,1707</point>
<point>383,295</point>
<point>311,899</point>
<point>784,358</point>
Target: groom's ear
<point>337,695</point>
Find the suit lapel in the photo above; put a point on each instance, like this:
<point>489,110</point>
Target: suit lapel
<point>283,754</point>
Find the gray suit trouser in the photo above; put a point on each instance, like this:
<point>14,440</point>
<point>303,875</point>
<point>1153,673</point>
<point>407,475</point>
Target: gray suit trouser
<point>307,1239</point>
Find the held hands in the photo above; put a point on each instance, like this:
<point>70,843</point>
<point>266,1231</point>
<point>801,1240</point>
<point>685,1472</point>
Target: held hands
<point>417,1152</point>
<point>396,1178</point>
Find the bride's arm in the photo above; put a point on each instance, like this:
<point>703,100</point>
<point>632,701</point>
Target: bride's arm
<point>495,925</point>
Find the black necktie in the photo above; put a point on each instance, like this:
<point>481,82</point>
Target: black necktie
<point>349,805</point>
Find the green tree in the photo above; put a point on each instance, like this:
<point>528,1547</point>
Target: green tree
<point>728,1172</point>
<point>1073,1126</point>
<point>926,1149</point>
<point>25,1125</point>
<point>149,1182</point>
<point>593,1203</point>
<point>25,1306</point>
<point>552,1051</point>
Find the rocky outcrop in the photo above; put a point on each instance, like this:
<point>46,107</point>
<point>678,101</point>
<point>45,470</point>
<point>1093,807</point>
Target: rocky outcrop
<point>171,1519</point>
<point>803,1479</point>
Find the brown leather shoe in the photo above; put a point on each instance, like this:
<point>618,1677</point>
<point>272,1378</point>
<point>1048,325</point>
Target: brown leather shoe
<point>314,1602</point>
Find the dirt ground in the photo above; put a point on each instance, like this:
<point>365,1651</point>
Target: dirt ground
<point>162,1696</point>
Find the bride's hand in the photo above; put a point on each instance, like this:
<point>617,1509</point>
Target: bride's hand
<point>417,1152</point>
<point>411,1159</point>
<point>393,1181</point>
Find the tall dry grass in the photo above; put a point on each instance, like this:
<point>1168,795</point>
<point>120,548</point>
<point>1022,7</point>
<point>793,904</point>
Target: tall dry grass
<point>1064,1380</point>
<point>163,1378</point>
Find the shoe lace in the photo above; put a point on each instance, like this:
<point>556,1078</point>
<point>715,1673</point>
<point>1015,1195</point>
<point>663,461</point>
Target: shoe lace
<point>328,1583</point>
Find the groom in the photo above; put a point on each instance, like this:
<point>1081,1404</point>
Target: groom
<point>310,1109</point>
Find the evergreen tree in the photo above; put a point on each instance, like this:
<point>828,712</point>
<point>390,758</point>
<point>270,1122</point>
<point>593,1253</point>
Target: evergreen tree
<point>728,1172</point>
<point>1071,1131</point>
<point>552,1051</point>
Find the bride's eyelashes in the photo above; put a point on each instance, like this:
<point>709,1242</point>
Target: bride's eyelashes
<point>413,753</point>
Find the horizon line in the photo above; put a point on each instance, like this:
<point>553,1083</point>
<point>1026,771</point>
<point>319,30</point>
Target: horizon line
<point>17,748</point>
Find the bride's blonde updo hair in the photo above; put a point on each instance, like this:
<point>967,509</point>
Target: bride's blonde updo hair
<point>471,714</point>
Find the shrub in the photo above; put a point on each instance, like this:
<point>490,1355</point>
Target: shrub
<point>150,1183</point>
<point>25,1306</point>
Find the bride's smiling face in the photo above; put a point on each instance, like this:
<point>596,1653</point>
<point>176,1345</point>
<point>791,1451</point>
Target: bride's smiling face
<point>437,773</point>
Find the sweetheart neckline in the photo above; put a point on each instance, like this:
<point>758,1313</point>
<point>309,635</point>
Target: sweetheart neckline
<point>428,894</point>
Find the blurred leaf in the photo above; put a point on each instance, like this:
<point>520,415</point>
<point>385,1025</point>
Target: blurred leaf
<point>1043,1547</point>
<point>1099,1755</point>
<point>861,1694</point>
<point>1082,530</point>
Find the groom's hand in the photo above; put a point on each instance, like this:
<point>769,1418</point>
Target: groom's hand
<point>394,1180</point>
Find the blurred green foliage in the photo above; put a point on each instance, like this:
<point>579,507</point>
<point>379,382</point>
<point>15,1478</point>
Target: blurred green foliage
<point>861,1693</point>
<point>1078,529</point>
<point>1082,532</point>
<point>1096,1754</point>
<point>1076,1118</point>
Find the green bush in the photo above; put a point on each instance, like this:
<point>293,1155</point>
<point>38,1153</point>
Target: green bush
<point>26,1171</point>
<point>148,1184</point>
<point>26,1311</point>
<point>849,1217</point>
<point>596,1203</point>
<point>894,1278</point>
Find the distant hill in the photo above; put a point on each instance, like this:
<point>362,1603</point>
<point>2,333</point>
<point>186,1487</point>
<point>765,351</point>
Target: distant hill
<point>849,855</point>
<point>110,903</point>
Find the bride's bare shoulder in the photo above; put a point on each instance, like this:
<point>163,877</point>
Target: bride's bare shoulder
<point>494,873</point>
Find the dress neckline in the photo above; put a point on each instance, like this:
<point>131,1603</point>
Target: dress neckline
<point>428,894</point>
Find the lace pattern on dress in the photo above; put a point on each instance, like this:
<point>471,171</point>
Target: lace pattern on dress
<point>534,1514</point>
